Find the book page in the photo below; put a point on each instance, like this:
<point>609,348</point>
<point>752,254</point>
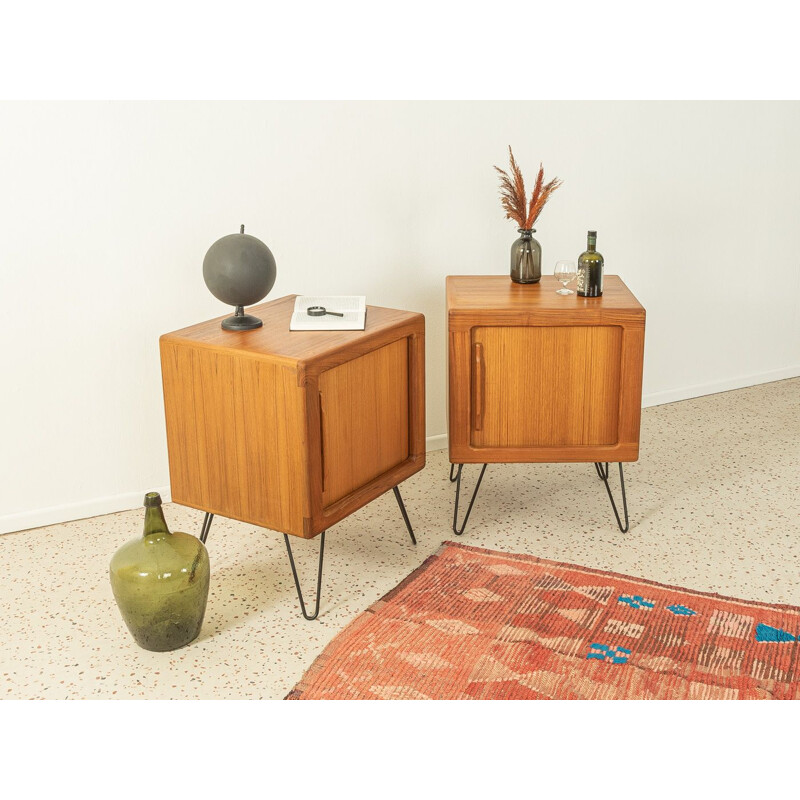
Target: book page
<point>340,303</point>
<point>352,307</point>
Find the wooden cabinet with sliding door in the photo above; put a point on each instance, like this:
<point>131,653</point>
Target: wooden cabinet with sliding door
<point>294,431</point>
<point>539,377</point>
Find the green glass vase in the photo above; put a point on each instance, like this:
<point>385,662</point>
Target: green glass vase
<point>526,258</point>
<point>160,582</point>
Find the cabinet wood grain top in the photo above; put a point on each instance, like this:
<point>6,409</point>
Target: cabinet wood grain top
<point>274,339</point>
<point>471,294</point>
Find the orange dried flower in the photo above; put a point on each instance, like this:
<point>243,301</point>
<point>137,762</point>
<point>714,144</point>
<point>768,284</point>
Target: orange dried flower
<point>513,197</point>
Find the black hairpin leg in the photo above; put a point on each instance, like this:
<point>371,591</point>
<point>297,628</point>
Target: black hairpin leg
<point>452,477</point>
<point>206,527</point>
<point>456,529</point>
<point>297,582</point>
<point>603,474</point>
<point>405,514</point>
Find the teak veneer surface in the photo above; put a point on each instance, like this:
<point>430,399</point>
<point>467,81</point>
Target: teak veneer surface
<point>232,436</point>
<point>471,294</point>
<point>293,430</point>
<point>548,386</point>
<point>364,419</point>
<point>274,338</point>
<point>537,376</point>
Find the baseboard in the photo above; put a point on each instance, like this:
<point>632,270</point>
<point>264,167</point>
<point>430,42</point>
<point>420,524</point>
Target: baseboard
<point>124,502</point>
<point>438,442</point>
<point>702,389</point>
<point>72,511</point>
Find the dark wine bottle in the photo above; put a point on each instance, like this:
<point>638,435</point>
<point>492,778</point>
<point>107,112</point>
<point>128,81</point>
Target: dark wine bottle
<point>590,269</point>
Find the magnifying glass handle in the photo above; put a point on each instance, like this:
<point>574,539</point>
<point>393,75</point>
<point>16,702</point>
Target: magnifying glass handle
<point>334,313</point>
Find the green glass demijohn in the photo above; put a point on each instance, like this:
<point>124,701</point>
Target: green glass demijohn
<point>160,582</point>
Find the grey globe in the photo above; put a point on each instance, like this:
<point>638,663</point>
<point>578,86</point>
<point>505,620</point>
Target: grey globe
<point>239,270</point>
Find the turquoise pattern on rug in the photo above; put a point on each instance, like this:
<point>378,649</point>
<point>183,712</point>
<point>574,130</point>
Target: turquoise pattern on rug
<point>766,633</point>
<point>616,655</point>
<point>679,610</point>
<point>636,601</point>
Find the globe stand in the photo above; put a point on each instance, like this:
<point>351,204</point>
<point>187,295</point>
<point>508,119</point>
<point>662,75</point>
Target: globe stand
<point>239,270</point>
<point>241,321</point>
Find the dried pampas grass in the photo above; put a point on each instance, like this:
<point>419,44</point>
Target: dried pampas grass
<point>513,197</point>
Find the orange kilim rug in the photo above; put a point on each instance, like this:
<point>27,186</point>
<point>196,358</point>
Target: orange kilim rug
<point>481,624</point>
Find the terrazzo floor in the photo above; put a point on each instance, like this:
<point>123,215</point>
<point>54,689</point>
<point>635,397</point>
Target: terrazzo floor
<point>714,505</point>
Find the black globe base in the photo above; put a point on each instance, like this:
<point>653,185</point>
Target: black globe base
<point>241,321</point>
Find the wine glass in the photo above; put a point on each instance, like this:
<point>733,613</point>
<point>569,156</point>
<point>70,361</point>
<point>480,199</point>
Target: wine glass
<point>565,273</point>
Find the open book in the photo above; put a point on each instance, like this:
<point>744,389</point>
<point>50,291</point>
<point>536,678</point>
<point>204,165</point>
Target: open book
<point>352,307</point>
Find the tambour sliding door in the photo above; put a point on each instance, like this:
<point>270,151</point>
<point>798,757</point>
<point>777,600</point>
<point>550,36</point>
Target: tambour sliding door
<point>545,386</point>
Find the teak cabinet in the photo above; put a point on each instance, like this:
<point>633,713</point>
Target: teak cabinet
<point>539,377</point>
<point>293,431</point>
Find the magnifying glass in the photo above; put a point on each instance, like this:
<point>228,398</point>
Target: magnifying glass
<point>321,311</point>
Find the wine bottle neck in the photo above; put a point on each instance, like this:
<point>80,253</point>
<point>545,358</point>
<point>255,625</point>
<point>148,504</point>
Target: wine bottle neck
<point>154,521</point>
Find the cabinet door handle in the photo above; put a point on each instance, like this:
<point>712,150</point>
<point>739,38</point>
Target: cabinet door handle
<point>478,387</point>
<point>322,441</point>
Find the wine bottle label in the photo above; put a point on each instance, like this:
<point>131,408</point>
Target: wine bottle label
<point>582,276</point>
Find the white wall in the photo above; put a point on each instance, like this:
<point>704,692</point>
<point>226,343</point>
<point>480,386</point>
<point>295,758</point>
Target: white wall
<point>107,209</point>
